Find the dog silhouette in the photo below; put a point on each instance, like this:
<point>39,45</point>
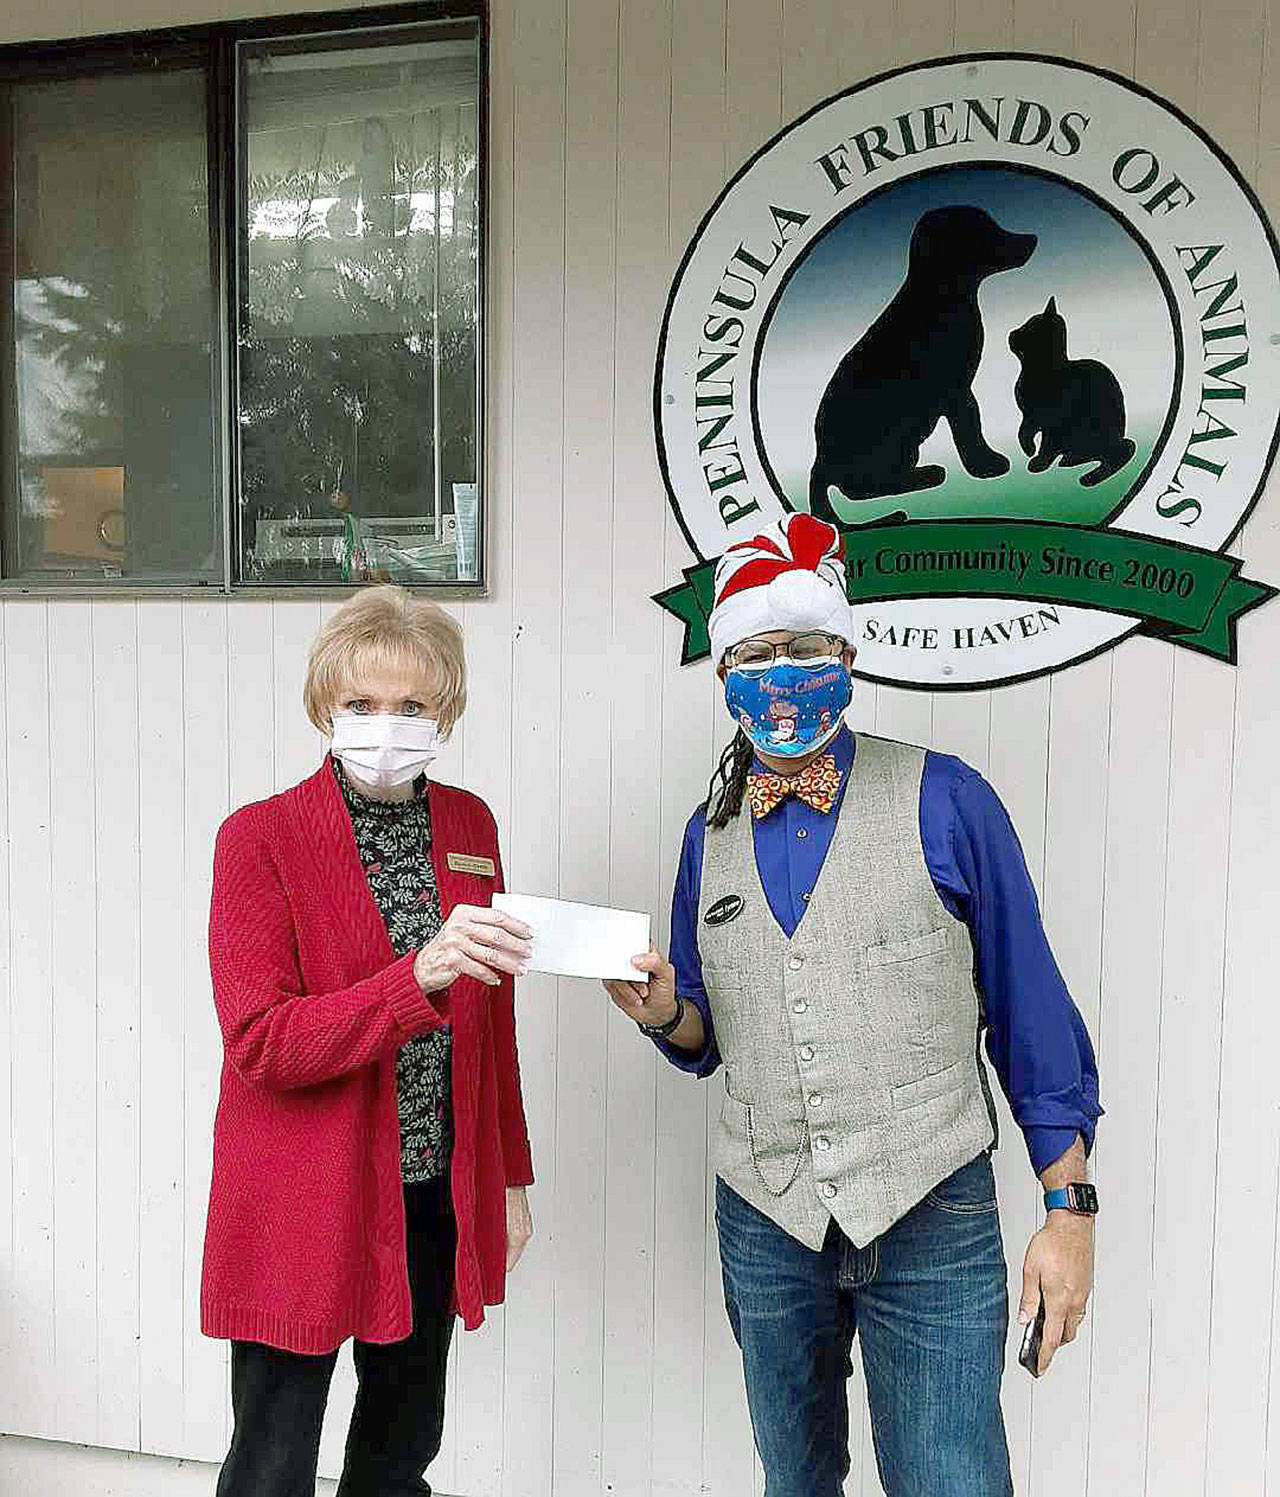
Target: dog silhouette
<point>1075,406</point>
<point>914,366</point>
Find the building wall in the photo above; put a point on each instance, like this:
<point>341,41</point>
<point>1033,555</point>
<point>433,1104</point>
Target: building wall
<point>1142,783</point>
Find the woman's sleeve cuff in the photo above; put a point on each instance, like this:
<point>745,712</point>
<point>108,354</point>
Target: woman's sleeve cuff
<point>414,1012</point>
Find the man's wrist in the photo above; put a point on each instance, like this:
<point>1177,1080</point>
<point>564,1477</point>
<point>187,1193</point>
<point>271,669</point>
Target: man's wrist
<point>664,1030</point>
<point>1074,1198</point>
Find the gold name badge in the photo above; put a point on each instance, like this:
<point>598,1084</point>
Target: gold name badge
<point>465,862</point>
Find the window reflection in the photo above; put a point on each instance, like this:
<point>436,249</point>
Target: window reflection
<point>113,316</point>
<point>358,310</point>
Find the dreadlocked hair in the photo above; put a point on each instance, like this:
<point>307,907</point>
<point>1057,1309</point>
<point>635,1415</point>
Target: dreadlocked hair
<point>729,782</point>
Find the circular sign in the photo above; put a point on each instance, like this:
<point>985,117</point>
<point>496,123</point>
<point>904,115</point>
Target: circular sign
<point>1013,324</point>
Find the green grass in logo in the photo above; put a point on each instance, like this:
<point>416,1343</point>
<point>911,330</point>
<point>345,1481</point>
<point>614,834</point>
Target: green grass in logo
<point>1057,494</point>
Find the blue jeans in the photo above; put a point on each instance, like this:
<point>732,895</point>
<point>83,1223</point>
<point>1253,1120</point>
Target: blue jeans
<point>929,1301</point>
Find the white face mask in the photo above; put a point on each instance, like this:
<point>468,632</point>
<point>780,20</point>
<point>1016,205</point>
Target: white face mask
<point>382,748</point>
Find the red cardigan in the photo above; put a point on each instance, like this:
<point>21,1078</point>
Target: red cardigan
<point>305,1239</point>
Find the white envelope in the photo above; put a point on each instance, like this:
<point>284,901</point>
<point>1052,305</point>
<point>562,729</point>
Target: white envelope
<point>579,940</point>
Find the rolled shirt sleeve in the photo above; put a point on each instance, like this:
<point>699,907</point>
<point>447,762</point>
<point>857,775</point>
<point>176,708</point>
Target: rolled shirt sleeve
<point>685,956</point>
<point>1036,1037</point>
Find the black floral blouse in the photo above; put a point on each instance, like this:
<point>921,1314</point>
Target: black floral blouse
<point>394,842</point>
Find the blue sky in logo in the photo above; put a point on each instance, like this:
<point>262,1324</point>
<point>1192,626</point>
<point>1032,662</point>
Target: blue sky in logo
<point>1106,289</point>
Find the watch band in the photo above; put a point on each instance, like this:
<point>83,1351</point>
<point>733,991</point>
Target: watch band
<point>661,1031</point>
<point>1079,1197</point>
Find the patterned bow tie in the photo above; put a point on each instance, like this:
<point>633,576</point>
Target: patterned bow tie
<point>817,784</point>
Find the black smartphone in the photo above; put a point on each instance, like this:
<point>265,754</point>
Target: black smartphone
<point>1029,1356</point>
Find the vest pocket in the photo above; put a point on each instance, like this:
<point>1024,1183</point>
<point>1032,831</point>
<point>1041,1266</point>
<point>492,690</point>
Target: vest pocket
<point>777,1149</point>
<point>926,1088</point>
<point>908,948</point>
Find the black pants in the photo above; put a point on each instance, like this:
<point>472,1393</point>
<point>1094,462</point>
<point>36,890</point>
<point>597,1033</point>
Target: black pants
<point>278,1397</point>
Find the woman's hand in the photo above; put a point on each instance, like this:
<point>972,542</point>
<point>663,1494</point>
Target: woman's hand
<point>651,1002</point>
<point>519,1224</point>
<point>474,942</point>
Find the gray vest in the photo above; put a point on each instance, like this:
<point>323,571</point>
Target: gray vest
<point>853,1072</point>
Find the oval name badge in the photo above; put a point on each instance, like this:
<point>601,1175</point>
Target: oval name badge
<point>724,910</point>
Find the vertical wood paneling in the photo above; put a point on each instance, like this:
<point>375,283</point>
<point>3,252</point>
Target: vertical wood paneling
<point>116,771</point>
<point>1075,839</point>
<point>1041,26</point>
<point>1127,1041</point>
<point>205,804</point>
<point>30,1297</point>
<point>297,746</point>
<point>8,1050</point>
<point>251,703</point>
<point>162,770</point>
<point>904,715</point>
<point>1019,772</point>
<point>74,1012</point>
<point>1190,1044</point>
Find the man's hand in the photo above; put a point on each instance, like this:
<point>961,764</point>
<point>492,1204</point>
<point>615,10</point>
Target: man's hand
<point>652,1001</point>
<point>519,1224</point>
<point>1059,1267</point>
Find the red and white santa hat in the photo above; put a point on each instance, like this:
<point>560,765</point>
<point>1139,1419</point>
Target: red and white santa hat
<point>791,576</point>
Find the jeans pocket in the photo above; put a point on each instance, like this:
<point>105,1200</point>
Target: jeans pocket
<point>971,1188</point>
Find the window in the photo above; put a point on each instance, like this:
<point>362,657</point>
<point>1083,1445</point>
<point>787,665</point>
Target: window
<point>241,306</point>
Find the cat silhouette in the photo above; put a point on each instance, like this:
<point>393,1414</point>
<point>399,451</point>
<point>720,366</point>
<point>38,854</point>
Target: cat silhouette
<point>1074,406</point>
<point>914,366</point>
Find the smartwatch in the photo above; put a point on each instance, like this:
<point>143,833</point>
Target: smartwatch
<point>1079,1197</point>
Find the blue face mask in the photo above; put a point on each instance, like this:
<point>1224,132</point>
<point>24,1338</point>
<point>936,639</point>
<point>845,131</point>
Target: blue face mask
<point>789,710</point>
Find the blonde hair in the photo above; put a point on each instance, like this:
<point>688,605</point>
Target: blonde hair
<point>386,626</point>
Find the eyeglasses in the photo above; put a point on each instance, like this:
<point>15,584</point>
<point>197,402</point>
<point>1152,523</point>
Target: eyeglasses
<point>802,649</point>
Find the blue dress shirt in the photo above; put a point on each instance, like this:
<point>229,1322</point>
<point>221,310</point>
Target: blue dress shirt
<point>1036,1037</point>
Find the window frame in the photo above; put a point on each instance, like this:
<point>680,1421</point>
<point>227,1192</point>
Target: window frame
<point>216,47</point>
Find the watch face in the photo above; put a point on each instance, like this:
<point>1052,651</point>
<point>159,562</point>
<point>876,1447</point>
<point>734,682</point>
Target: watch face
<point>1084,1198</point>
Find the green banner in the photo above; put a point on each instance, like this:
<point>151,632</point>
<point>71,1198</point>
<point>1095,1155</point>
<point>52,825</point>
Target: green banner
<point>1190,597</point>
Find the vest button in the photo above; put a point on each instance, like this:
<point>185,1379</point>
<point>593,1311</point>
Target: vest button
<point>799,1007</point>
<point>806,1052</point>
<point>822,1142</point>
<point>828,1189</point>
<point>815,1099</point>
<point>802,834</point>
<point>796,963</point>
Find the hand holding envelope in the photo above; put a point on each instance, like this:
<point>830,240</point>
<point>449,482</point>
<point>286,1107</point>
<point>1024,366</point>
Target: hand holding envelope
<point>474,942</point>
<point>578,940</point>
<point>648,996</point>
<point>586,940</point>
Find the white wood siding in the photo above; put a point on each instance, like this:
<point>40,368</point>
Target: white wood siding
<point>1144,785</point>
